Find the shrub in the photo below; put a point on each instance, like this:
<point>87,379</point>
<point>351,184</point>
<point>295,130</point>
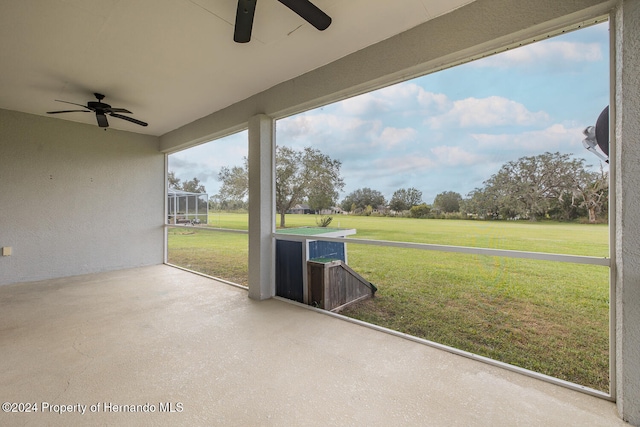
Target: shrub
<point>324,220</point>
<point>420,211</point>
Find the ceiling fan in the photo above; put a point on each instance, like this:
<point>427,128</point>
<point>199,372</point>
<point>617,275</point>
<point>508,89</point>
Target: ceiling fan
<point>101,109</point>
<point>307,10</point>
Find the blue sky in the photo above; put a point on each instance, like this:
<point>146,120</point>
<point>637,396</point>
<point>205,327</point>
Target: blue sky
<point>450,130</point>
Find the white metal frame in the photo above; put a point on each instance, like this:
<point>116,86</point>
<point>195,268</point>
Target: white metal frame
<point>613,382</point>
<point>175,196</point>
<point>540,256</point>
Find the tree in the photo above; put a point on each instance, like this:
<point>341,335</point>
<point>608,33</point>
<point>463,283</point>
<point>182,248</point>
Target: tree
<point>215,203</point>
<point>527,186</point>
<point>448,201</point>
<point>420,211</point>
<point>361,198</point>
<point>173,181</point>
<point>305,174</point>
<point>192,186</point>
<point>235,183</point>
<point>405,198</point>
<point>482,202</point>
<point>301,175</point>
<point>319,200</point>
<point>592,191</point>
<point>566,207</point>
<point>548,185</point>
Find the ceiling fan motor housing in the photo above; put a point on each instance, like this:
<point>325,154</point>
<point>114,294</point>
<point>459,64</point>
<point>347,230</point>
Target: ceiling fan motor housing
<point>97,105</point>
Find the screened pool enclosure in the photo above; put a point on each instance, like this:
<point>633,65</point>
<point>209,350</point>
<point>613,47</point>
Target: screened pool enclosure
<point>184,207</point>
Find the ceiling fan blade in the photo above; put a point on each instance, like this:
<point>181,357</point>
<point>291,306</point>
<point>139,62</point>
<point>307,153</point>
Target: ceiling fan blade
<point>130,119</point>
<point>102,120</point>
<point>73,103</point>
<point>309,12</point>
<point>118,110</point>
<point>244,20</point>
<point>68,111</point>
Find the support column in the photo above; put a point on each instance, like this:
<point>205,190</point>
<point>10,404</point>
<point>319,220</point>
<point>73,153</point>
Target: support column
<point>627,193</point>
<point>262,184</point>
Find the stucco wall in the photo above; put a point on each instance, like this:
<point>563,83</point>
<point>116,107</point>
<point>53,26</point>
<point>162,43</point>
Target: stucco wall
<point>627,154</point>
<point>76,199</point>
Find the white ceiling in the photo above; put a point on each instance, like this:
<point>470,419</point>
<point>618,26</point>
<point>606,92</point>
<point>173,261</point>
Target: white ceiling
<point>173,61</point>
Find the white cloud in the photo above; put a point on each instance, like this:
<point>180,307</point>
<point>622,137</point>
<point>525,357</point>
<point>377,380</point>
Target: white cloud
<point>318,129</point>
<point>391,137</point>
<point>403,164</point>
<point>430,99</point>
<point>455,156</point>
<point>546,52</point>
<point>554,138</point>
<point>343,133</point>
<point>205,160</point>
<point>402,93</point>
<point>403,97</point>
<point>487,112</point>
<point>368,103</point>
<point>181,163</point>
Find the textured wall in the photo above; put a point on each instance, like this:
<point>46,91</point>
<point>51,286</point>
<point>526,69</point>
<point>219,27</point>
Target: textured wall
<point>628,209</point>
<point>76,199</point>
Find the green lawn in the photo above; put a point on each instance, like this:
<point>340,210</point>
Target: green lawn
<point>544,316</point>
<point>223,255</point>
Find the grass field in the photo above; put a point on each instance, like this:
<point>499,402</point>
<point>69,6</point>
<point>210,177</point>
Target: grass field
<point>223,255</point>
<point>544,316</point>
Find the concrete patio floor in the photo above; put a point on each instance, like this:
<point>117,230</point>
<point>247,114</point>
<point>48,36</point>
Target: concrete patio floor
<point>175,340</point>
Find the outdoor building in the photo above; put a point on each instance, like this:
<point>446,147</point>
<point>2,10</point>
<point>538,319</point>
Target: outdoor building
<point>89,312</point>
<point>334,210</point>
<point>301,209</point>
<point>187,207</point>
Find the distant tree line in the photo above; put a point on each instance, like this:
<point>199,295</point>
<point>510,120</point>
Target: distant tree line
<point>549,185</point>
